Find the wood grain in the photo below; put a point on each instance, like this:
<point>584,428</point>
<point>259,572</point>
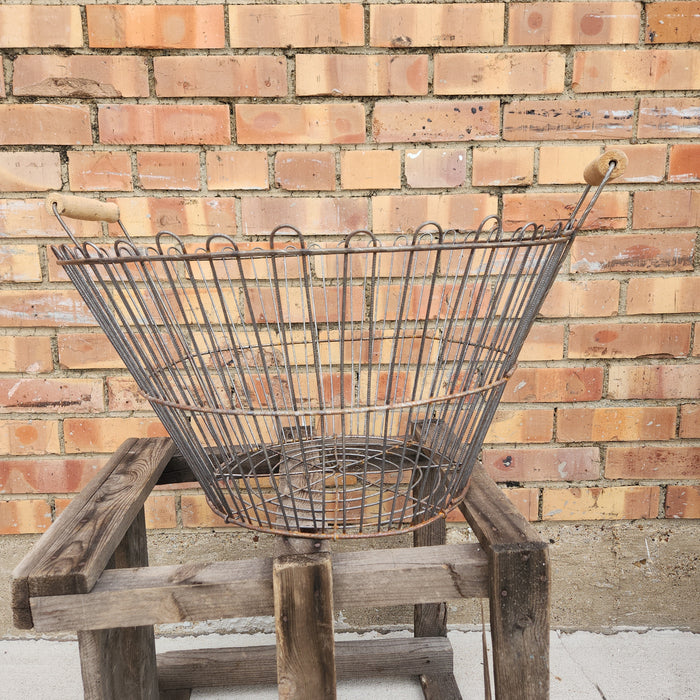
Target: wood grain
<point>303,597</point>
<point>380,577</point>
<point>370,658</point>
<point>518,591</point>
<point>72,554</point>
<point>121,663</point>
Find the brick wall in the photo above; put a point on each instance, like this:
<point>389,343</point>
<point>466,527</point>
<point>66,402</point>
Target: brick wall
<point>204,118</point>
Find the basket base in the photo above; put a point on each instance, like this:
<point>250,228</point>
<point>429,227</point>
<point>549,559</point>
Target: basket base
<point>332,487</point>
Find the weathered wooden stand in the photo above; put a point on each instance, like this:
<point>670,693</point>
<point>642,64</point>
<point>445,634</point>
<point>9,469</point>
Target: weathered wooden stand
<point>90,573</point>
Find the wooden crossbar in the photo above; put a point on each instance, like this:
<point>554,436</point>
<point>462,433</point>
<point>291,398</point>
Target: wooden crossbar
<point>160,594</point>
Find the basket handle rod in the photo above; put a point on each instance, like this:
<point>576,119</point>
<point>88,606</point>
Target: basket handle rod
<point>597,169</point>
<point>597,173</point>
<point>82,208</point>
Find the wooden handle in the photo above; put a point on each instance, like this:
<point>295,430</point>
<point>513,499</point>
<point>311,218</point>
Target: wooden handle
<point>82,207</point>
<point>595,171</point>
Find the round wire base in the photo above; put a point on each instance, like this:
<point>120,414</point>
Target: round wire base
<point>341,487</point>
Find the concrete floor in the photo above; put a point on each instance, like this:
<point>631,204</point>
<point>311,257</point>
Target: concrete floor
<point>649,665</point>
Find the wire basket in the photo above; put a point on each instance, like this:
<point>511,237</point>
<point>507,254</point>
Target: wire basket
<point>325,391</point>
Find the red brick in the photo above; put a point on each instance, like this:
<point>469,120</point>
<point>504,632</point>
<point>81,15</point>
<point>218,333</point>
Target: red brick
<point>312,216</point>
<point>172,125</point>
<point>220,76</point>
<point>28,437</point>
<point>263,306</point>
<point>542,464</point>
<point>106,434</point>
<point>453,120</point>
<point>668,118</point>
<point>22,395</point>
<point>652,462</point>
<point>300,25</point>
<point>435,167</point>
<point>666,209</point>
<point>44,124</point>
<point>156,27</point>
<point>684,164</point>
<point>554,384</point>
<point>585,298</point>
<point>370,170</point>
<point>197,513</point>
<point>2,85</point>
<point>434,24</point>
<point>53,475</point>
<point>19,263</point>
<point>502,167</point>
<point>160,512</point>
<point>637,252</point>
<point>25,516</point>
<point>610,503</point>
<point>690,421</point>
<point>29,354</point>
<point>86,351</point>
<point>337,75</point>
<point>168,170</point>
<point>28,218</point>
<point>237,170</point>
<point>629,340</point>
<point>42,308</point>
<point>544,342</point>
<point>99,171</point>
<point>24,171</point>
<point>191,216</point>
<point>548,208</point>
<point>564,165</point>
<point>672,22</point>
<point>80,76</point>
<point>540,23</point>
<point>682,502</point>
<point>663,295</point>
<point>498,73</point>
<point>307,170</point>
<point>300,124</point>
<point>626,71</point>
<point>696,345</point>
<point>404,213</point>
<point>123,395</point>
<point>34,26</point>
<point>523,426</point>
<point>593,118</point>
<point>615,424</point>
<point>646,162</point>
<point>654,381</point>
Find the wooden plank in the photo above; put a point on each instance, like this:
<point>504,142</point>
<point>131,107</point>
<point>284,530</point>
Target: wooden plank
<point>72,554</point>
<point>121,663</point>
<point>366,658</point>
<point>518,591</point>
<point>303,595</point>
<point>440,686</point>
<point>190,592</point>
<point>430,620</point>
<point>494,519</point>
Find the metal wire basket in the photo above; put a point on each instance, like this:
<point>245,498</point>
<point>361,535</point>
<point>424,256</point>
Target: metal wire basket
<point>340,391</point>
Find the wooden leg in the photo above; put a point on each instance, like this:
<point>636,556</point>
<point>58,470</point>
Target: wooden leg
<point>519,604</point>
<point>430,620</point>
<point>121,663</point>
<point>518,590</point>
<point>303,595</point>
